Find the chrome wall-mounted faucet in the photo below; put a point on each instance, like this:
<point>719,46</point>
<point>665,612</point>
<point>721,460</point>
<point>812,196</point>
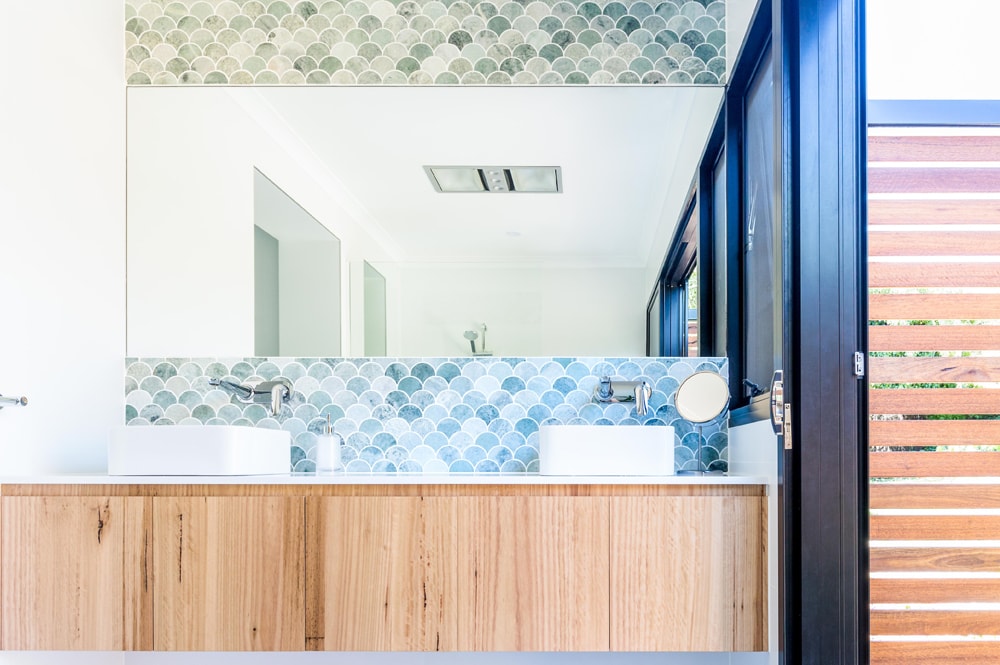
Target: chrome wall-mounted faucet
<point>13,401</point>
<point>612,390</point>
<point>276,392</point>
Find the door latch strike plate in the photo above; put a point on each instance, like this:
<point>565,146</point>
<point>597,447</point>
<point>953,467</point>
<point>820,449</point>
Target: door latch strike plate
<point>859,364</point>
<point>787,426</point>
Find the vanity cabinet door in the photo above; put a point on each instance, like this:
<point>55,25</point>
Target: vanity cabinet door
<point>688,573</point>
<point>228,573</point>
<point>469,573</point>
<point>64,573</point>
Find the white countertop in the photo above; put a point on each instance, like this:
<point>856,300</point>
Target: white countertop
<point>382,479</point>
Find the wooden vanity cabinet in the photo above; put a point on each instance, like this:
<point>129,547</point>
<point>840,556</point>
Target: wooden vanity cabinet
<point>458,573</point>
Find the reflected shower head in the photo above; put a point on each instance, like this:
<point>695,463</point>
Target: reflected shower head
<point>472,336</point>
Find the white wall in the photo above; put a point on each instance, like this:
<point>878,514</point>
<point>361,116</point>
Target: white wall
<point>922,49</point>
<point>529,309</point>
<point>62,234</point>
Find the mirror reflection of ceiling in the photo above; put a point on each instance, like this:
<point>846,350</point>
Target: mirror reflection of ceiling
<point>547,42</point>
<point>623,152</point>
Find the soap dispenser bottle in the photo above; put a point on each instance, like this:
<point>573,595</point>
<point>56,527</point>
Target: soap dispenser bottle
<point>328,450</point>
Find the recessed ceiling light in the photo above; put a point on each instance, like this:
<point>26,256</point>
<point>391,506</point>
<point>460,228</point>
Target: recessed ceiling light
<point>495,179</point>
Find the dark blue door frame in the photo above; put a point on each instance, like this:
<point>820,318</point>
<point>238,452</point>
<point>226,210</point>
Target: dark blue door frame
<point>823,479</point>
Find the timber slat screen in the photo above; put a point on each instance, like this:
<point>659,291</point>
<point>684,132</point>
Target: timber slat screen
<point>934,399</point>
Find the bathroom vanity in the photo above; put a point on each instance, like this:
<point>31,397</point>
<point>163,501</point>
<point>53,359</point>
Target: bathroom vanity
<point>384,563</point>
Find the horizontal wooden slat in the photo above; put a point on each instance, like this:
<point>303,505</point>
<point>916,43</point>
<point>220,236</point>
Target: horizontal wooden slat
<point>916,401</point>
<point>934,527</point>
<point>935,622</point>
<point>934,464</point>
<point>978,652</point>
<point>934,148</point>
<point>921,306</point>
<point>910,591</point>
<point>932,180</point>
<point>934,432</point>
<point>935,560</point>
<point>920,211</point>
<point>955,275</point>
<point>918,243</point>
<point>934,338</point>
<point>934,370</point>
<point>933,495</point>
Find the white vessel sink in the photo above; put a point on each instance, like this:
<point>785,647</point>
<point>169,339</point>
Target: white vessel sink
<point>198,451</point>
<point>596,450</point>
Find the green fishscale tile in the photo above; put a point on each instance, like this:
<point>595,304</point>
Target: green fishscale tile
<point>460,10</point>
<point>691,39</point>
<point>228,38</point>
<point>216,78</point>
<point>214,23</point>
<point>190,78</point>
<point>486,38</point>
<point>305,64</point>
<point>460,38</point>
<point>343,77</point>
<point>538,38</point>
<point>267,50</point>
<point>138,78</point>
<point>679,52</point>
<point>331,36</point>
<point>446,78</point>
<point>717,66</point>
<point>317,77</point>
<point>151,67</point>
<point>550,52</point>
<point>136,26</point>
<point>716,38</point>
<point>447,24</point>
<point>589,38</point>
<point>511,10</point>
<point>706,24</point>
<point>498,78</point>
<point>693,66</point>
<point>344,51</point>
<point>473,78</point>
<point>576,52</point>
<point>538,10</point>
<point>305,9</point>
<point>550,24</point>
<point>705,78</point>
<point>627,24</point>
<point>228,65</point>
<point>369,50</point>
<point>602,51</point>
<point>165,78</point>
<point>525,78</point>
<point>279,9</point>
<point>692,10</point>
<point>563,66</point>
<point>254,64</point>
<point>163,25</point>
<point>254,37</point>
<point>163,52</point>
<point>654,24</point>
<point>653,51</point>
<point>382,65</point>
<point>485,10</point>
<point>265,22</point>
<point>189,51</point>
<point>408,37</point>
<point>498,52</point>
<point>589,65</point>
<point>331,8</point>
<point>147,11</point>
<point>473,25</point>
<point>524,24</point>
<point>615,37</point>
<point>280,64</point>
<point>524,52</point>
<point>344,22</point>
<point>615,10</point>
<point>667,10</point>
<point>511,66</point>
<point>292,23</point>
<point>130,40</point>
<point>628,78</point>
<point>589,10</point>
<point>280,36</point>
<point>576,24</point>
<point>473,52</point>
<point>716,10</point>
<point>330,64</point>
<point>563,38</point>
<point>202,10</point>
<point>434,10</point>
<point>602,24</point>
<point>577,78</point>
<point>421,23</point>
<point>395,24</point>
<point>356,65</point>
<point>383,37</point>
<point>420,78</point>
<point>137,53</point>
<point>705,52</point>
<point>405,9</point>
<point>176,10</point>
<point>434,38</point>
<point>537,66</point>
<point>486,66</point>
<point>642,37</point>
<point>393,77</point>
<point>640,10</point>
<point>188,24</point>
<point>215,50</point>
<point>240,50</point>
<point>447,52</point>
<point>615,65</point>
<point>667,38</point>
<point>628,52</point>
<point>640,65</point>
<point>563,10</point>
<point>202,38</point>
<point>460,66</point>
<point>680,24</point>
<point>421,51</point>
<point>498,24</point>
<point>317,51</point>
<point>357,37</point>
<point>551,78</point>
<point>318,23</point>
<point>602,78</point>
<point>395,51</point>
<point>680,77</point>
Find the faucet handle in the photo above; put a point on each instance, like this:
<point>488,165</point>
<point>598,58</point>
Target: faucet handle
<point>643,391</point>
<point>604,392</point>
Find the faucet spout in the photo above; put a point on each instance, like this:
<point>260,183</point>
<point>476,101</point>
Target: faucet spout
<point>642,394</point>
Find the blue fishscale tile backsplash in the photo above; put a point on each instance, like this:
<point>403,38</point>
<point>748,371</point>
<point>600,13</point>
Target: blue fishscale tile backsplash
<point>422,415</point>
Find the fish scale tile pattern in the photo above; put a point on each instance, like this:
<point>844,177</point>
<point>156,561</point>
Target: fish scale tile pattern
<point>422,415</point>
<point>419,42</point>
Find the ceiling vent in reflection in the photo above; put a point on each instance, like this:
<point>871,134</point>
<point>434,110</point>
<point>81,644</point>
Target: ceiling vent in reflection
<point>495,179</point>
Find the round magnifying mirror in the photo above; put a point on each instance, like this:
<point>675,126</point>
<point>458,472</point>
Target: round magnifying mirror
<point>702,397</point>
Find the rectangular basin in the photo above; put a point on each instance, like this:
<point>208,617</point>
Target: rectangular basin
<point>198,451</point>
<point>596,450</point>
